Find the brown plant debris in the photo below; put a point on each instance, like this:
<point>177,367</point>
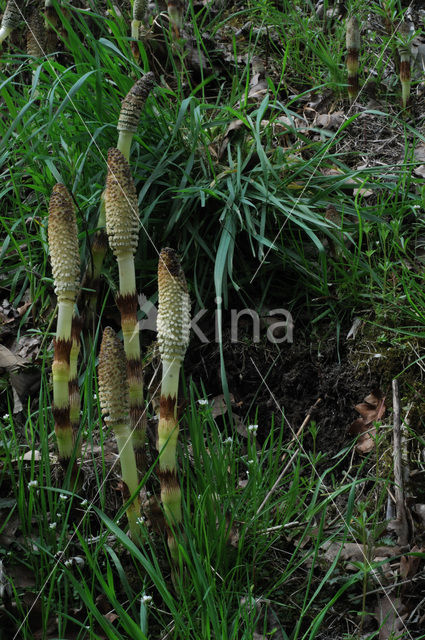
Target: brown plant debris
<point>371,410</point>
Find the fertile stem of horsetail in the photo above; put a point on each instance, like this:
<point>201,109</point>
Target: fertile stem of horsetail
<point>175,11</point>
<point>36,35</point>
<point>51,22</point>
<point>74,391</point>
<point>11,18</point>
<point>36,42</point>
<point>139,9</point>
<point>138,13</point>
<point>131,108</point>
<point>65,258</point>
<point>405,54</point>
<point>173,324</point>
<point>353,48</point>
<point>114,402</point>
<point>122,226</point>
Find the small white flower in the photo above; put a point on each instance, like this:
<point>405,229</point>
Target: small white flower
<point>6,416</point>
<point>68,563</point>
<point>84,503</point>
<point>94,396</point>
<point>32,483</point>
<point>228,440</point>
<point>250,461</point>
<point>141,520</point>
<point>146,599</point>
<point>59,515</point>
<point>52,525</point>
<point>62,496</point>
<point>253,428</point>
<point>202,401</point>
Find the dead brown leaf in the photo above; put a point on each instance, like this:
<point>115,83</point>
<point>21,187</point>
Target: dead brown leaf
<point>419,171</point>
<point>9,360</point>
<point>329,120</point>
<point>371,410</point>
<point>419,152</point>
<point>219,406</point>
<point>409,565</point>
<point>389,613</point>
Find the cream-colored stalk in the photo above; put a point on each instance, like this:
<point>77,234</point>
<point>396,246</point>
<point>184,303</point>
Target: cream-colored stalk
<point>74,391</point>
<point>11,18</point>
<point>122,227</point>
<point>65,259</point>
<point>353,49</point>
<point>114,402</point>
<point>173,326</point>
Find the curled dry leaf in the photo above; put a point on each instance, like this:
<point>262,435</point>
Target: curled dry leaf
<point>419,152</point>
<point>329,120</point>
<point>371,410</point>
<point>357,323</point>
<point>219,406</point>
<point>389,613</point>
<point>409,564</point>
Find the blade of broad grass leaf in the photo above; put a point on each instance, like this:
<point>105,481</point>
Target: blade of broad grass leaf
<point>221,262</point>
<point>70,96</point>
<point>127,623</point>
<point>152,569</point>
